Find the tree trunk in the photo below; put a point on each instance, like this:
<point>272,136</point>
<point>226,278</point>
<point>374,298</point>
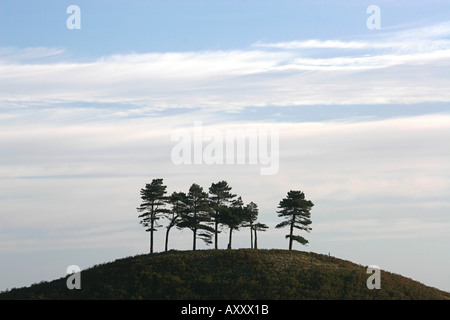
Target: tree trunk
<point>229,240</point>
<point>151,236</point>
<point>216,245</point>
<point>256,240</point>
<point>194,240</point>
<point>251,236</point>
<point>167,239</point>
<point>291,232</point>
<point>152,221</point>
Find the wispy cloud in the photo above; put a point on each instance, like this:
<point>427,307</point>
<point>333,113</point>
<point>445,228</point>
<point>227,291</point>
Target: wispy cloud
<point>10,55</point>
<point>403,67</point>
<point>430,38</point>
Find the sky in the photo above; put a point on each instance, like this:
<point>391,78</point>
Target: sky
<point>358,118</point>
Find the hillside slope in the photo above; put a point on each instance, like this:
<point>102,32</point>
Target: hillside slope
<point>229,274</point>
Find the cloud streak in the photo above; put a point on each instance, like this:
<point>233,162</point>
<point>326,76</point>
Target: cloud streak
<point>387,71</point>
<point>423,39</point>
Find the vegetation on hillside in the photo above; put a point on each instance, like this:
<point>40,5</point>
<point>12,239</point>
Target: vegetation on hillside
<point>229,274</point>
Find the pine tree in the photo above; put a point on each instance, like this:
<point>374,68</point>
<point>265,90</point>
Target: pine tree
<point>153,205</point>
<point>258,227</point>
<point>178,202</point>
<point>220,199</point>
<point>196,216</point>
<point>296,210</point>
<point>251,214</point>
<point>233,217</point>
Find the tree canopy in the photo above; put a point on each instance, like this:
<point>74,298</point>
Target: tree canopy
<point>206,213</point>
<point>295,209</point>
<point>152,206</point>
<point>197,215</point>
<point>220,198</point>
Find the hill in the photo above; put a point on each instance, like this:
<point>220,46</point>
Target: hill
<point>229,274</point>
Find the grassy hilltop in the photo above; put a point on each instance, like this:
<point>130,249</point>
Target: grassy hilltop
<point>229,274</point>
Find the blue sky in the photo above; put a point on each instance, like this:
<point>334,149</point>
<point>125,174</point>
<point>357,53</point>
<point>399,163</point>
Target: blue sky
<point>199,25</point>
<point>87,116</point>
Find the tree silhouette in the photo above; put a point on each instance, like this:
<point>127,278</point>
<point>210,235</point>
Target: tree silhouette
<point>296,210</point>
<point>152,206</point>
<point>233,217</point>
<point>197,210</point>
<point>251,214</point>
<point>258,227</point>
<point>196,215</point>
<point>220,198</point>
<point>178,201</point>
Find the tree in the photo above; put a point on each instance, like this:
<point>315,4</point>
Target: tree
<point>296,211</point>
<point>196,215</point>
<point>258,227</point>
<point>178,202</point>
<point>220,198</point>
<point>233,217</point>
<point>153,205</point>
<point>251,214</point>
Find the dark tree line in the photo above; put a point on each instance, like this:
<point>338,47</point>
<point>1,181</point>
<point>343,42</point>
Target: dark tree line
<point>206,213</point>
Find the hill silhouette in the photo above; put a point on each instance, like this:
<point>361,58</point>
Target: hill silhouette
<point>229,274</point>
